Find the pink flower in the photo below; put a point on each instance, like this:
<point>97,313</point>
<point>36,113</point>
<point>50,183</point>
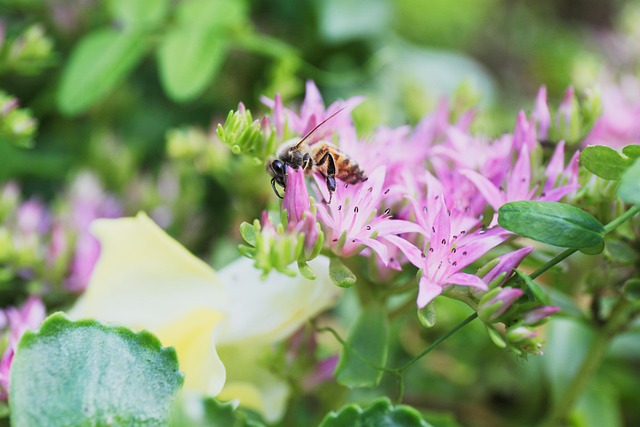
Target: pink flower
<point>448,254</point>
<point>29,316</point>
<point>33,218</point>
<point>353,220</point>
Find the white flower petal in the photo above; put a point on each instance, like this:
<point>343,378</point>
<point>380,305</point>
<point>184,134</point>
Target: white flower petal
<point>268,310</point>
<point>144,278</point>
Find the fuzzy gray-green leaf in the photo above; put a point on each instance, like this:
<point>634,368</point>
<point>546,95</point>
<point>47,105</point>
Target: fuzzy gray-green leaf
<point>86,373</point>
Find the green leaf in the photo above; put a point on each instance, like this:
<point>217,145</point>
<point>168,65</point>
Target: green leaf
<point>340,274</point>
<point>593,250</point>
<point>631,151</point>
<point>381,413</point>
<point>99,62</point>
<point>554,223</point>
<point>191,54</point>
<point>365,351</point>
<point>86,373</point>
<point>629,189</point>
<point>535,289</point>
<point>604,161</point>
<point>222,14</point>
<point>189,59</point>
<point>201,411</point>
<point>139,13</point>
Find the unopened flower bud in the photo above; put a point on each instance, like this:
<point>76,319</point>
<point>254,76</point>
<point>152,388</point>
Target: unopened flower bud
<point>520,334</point>
<point>533,317</point>
<point>496,302</point>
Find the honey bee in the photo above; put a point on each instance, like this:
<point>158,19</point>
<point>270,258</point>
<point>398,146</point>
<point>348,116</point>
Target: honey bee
<point>322,157</point>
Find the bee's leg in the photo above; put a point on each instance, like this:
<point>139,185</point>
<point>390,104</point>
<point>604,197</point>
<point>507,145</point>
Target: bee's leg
<point>307,162</point>
<point>331,173</point>
<point>273,185</point>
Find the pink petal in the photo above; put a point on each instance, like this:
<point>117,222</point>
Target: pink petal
<point>296,197</point>
<point>427,291</point>
<point>541,113</point>
<point>490,192</point>
<point>470,252</point>
<point>558,193</point>
<point>396,226</point>
<point>441,232</point>
<point>378,247</point>
<point>554,167</point>
<point>465,279</point>
<point>520,180</point>
<point>413,254</point>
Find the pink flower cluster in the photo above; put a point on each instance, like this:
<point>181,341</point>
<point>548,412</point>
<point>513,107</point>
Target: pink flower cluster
<point>427,189</point>
<point>53,247</point>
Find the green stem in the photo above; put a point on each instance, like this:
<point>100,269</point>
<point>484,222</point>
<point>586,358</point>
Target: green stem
<point>621,219</point>
<point>438,342</point>
<point>552,262</point>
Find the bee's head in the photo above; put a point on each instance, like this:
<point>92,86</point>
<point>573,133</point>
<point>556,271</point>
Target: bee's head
<point>278,170</point>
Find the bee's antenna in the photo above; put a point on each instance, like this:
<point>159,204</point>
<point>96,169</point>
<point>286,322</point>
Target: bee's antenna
<point>308,134</point>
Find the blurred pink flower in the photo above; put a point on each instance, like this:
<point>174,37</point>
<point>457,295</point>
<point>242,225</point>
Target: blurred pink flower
<point>619,124</point>
<point>88,202</point>
<point>18,320</point>
<point>312,112</point>
<point>517,184</point>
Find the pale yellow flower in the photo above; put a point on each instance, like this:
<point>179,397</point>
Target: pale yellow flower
<point>220,324</point>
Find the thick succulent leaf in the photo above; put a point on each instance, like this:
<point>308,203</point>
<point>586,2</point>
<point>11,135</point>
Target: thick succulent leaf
<point>340,274</point>
<point>381,413</point>
<point>86,373</point>
<point>366,350</point>
<point>554,223</point>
